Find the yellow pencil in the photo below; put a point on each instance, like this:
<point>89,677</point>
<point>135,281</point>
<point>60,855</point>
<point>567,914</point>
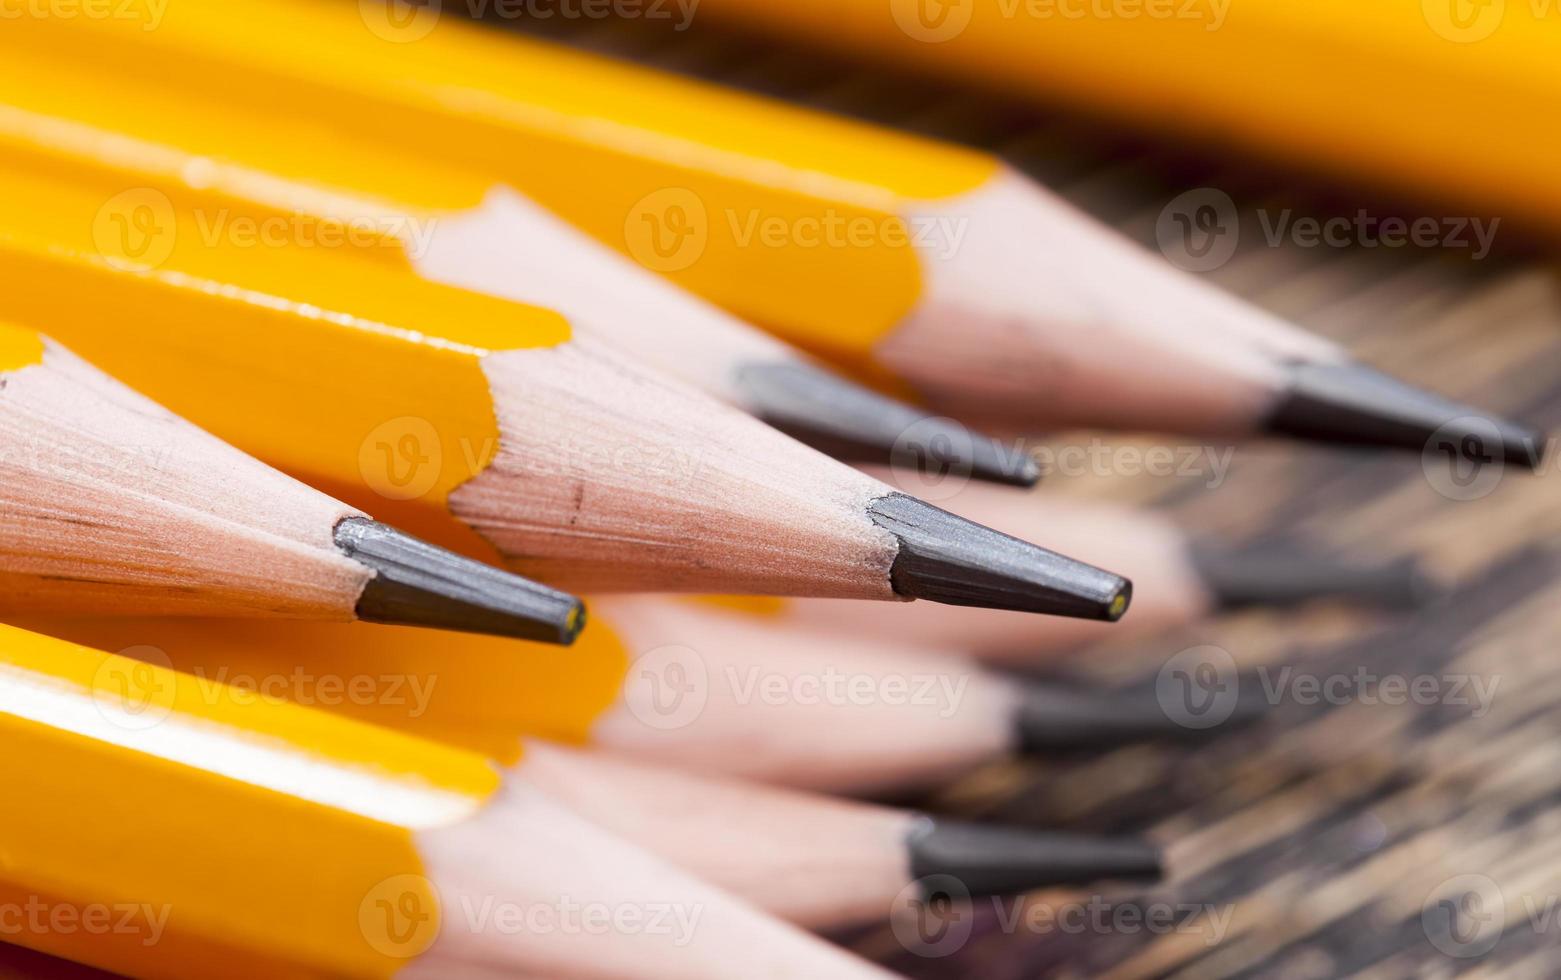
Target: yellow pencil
<point>900,257</point>
<point>1436,97</point>
<point>282,175</point>
<point>814,861</point>
<point>667,681</point>
<point>183,828</point>
<point>479,423</point>
<point>111,505</point>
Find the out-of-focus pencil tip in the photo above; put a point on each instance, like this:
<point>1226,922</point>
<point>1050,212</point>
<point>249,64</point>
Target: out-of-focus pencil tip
<point>945,558</point>
<point>995,860</point>
<point>1279,576</point>
<point>419,584</point>
<point>1350,404</point>
<point>1055,718</point>
<point>853,423</point>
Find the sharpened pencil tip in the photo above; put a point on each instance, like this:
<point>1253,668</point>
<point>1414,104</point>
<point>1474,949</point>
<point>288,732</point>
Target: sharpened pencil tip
<point>419,584</point>
<point>1349,404</point>
<point>1275,577</point>
<point>1052,718</point>
<point>858,425</point>
<point>948,559</point>
<point>998,860</point>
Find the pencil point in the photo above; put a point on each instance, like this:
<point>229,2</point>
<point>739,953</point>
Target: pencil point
<point>1273,578</point>
<point>948,559</point>
<point>997,860</point>
<point>1053,718</point>
<point>1350,404</point>
<point>853,423</point>
<point>419,584</point>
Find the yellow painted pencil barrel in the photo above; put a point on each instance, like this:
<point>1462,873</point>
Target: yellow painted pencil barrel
<point>1436,97</point>
<point>691,181</point>
<point>171,803</point>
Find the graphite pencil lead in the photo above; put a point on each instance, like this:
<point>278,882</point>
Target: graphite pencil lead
<point>1273,577</point>
<point>419,584</point>
<point>856,424</point>
<point>994,860</point>
<point>948,559</point>
<point>1352,404</point>
<point>1054,718</point>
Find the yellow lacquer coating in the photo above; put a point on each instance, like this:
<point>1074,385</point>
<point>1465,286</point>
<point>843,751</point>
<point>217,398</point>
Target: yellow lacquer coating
<point>780,214</point>
<point>19,347</point>
<point>272,165</point>
<point>476,692</point>
<point>227,836</point>
<point>1434,96</point>
<point>357,377</point>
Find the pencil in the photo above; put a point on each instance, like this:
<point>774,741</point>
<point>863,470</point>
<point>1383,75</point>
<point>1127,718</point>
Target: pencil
<point>1179,580</point>
<point>717,691</point>
<point>482,424</point>
<point>454,226</point>
<point>818,862</point>
<point>673,683</point>
<point>111,505</point>
<point>343,849</point>
<point>1425,98</point>
<point>962,278</point>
